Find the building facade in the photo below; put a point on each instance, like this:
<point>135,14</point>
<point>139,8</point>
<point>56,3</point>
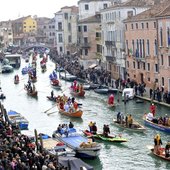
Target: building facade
<point>147,51</point>
<point>66,30</point>
<point>29,25</point>
<point>113,36</point>
<point>6,34</point>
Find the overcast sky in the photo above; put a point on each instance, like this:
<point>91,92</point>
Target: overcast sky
<point>12,9</point>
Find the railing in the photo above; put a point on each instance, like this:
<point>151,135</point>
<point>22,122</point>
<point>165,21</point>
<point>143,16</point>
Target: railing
<point>110,43</point>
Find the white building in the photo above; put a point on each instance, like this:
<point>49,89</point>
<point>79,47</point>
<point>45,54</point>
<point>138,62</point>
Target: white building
<point>113,36</point>
<point>88,8</point>
<point>66,30</point>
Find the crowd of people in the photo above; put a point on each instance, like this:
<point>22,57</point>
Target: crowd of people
<point>19,152</point>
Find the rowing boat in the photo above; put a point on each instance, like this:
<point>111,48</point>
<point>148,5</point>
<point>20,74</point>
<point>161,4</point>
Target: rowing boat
<point>78,94</point>
<point>78,113</point>
<point>136,127</point>
<point>160,127</point>
<point>161,153</point>
<point>109,138</point>
<point>55,85</point>
<point>16,81</point>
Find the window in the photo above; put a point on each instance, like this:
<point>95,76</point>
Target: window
<point>86,51</point>
<point>69,38</point>
<point>138,65</point>
<point>44,27</point>
<point>79,28</point>
<point>143,66</point>
<point>132,26</point>
<point>60,38</point>
<point>133,47</point>
<point>162,59</point>
<point>99,48</point>
<point>154,24</point>
<point>147,48</point>
<point>149,79</point>
<point>66,15</point>
<point>104,6</point>
<point>134,64</point>
<point>136,25</point>
<point>53,33</point>
<point>53,26</point>
<point>60,26</point>
<point>168,37</point>
<point>86,7</point>
<point>147,25</point>
<point>85,40</point>
<point>155,48</point>
<point>142,25</point>
<point>61,49</point>
<point>69,26</point>
<point>98,34</point>
<point>156,68</point>
<point>30,26</point>
<point>127,64</point>
<point>163,81</point>
<point>49,26</point>
<point>85,28</point>
<point>148,66</point>
<point>161,37</point>
<point>168,61</point>
<point>126,27</point>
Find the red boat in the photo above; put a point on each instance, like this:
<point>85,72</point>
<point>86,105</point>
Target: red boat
<point>78,94</point>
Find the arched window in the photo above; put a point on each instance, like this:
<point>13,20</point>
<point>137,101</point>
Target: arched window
<point>161,37</point>
<point>168,36</point>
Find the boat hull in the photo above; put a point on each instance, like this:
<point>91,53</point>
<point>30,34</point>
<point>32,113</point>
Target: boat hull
<point>16,81</point>
<point>74,142</point>
<point>79,94</point>
<point>76,114</point>
<point>139,128</point>
<point>16,118</point>
<point>157,126</point>
<point>113,139</point>
<point>162,156</point>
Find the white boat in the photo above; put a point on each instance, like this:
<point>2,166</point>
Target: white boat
<point>128,93</point>
<point>79,144</point>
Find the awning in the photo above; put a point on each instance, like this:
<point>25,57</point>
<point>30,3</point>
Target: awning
<point>93,66</point>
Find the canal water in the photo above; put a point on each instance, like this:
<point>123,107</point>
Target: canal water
<point>132,155</point>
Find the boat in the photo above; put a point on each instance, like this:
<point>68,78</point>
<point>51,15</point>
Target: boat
<point>33,93</point>
<point>54,146</point>
<point>7,69</point>
<point>52,98</point>
<point>73,163</point>
<point>161,153</point>
<point>102,90</point>
<point>2,96</point>
<point>128,93</point>
<point>78,113</point>
<point>16,81</point>
<point>111,106</point>
<point>33,79</point>
<point>86,86</point>
<point>79,144</point>
<point>109,138</point>
<point>55,85</point>
<point>68,77</point>
<point>136,127</point>
<point>15,118</point>
<point>160,127</point>
<point>78,94</point>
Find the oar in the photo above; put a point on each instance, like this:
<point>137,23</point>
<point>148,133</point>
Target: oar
<point>51,113</point>
<point>50,108</point>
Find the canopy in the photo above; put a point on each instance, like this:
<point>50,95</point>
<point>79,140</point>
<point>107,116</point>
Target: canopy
<point>73,163</point>
<point>93,66</point>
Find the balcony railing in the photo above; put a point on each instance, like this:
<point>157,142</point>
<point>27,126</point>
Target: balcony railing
<point>85,45</point>
<point>110,43</point>
<point>98,38</point>
<point>110,58</point>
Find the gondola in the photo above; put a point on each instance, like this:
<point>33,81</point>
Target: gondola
<point>16,81</point>
<point>33,93</point>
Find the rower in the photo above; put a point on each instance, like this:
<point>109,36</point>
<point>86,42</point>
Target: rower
<point>52,94</point>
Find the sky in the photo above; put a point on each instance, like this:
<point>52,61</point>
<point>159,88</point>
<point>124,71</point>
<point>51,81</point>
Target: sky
<point>13,9</point>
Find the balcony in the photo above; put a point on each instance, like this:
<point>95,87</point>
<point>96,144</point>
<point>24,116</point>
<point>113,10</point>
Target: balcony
<point>85,45</point>
<point>110,43</point>
<point>98,38</point>
<point>111,59</point>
